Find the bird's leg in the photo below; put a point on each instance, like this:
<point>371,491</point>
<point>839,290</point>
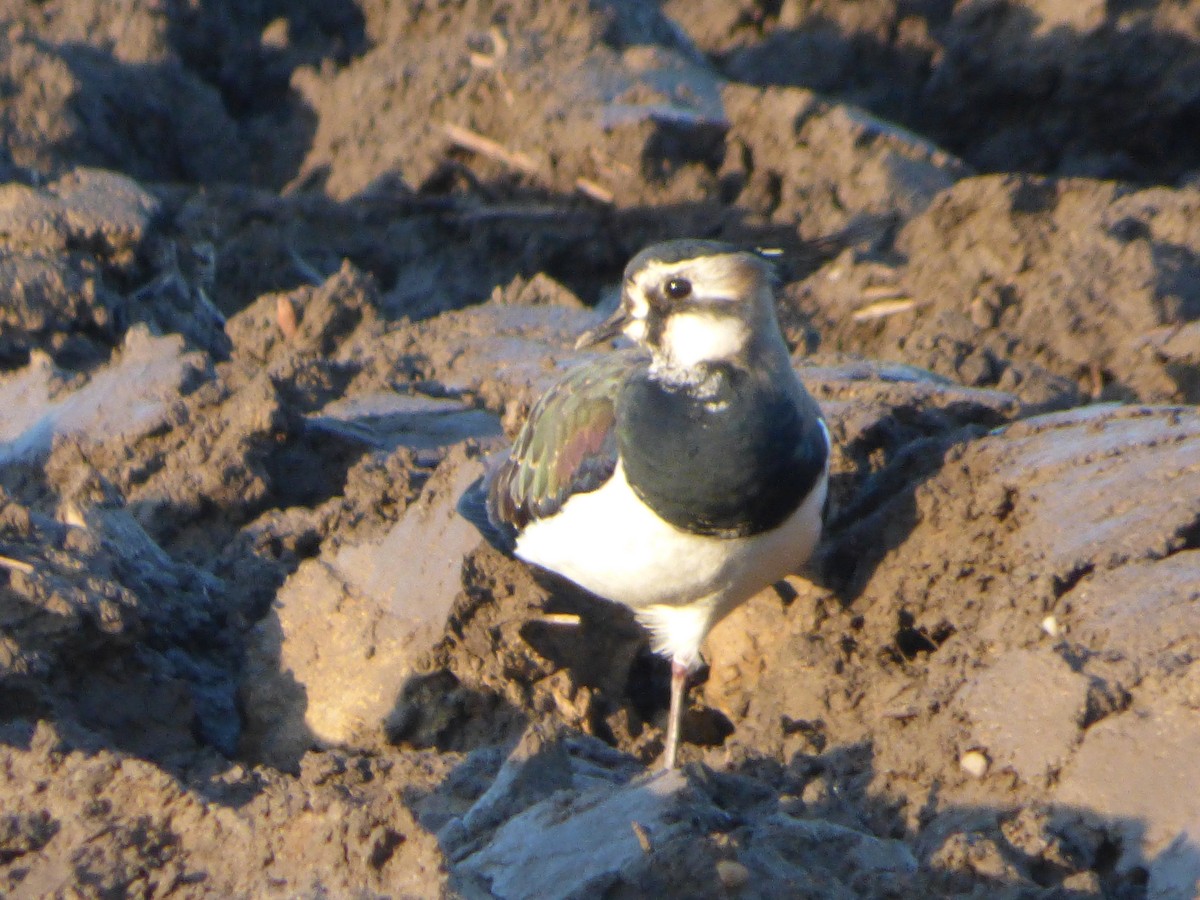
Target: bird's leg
<point>679,676</point>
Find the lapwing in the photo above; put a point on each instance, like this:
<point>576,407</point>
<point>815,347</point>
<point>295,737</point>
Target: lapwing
<point>679,476</point>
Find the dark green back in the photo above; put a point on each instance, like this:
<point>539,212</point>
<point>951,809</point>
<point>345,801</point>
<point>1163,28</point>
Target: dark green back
<point>566,446</point>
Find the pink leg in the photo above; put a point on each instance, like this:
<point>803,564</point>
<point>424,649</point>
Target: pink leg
<point>679,676</point>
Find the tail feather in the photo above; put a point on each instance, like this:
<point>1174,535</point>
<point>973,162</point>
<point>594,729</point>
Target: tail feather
<point>473,506</point>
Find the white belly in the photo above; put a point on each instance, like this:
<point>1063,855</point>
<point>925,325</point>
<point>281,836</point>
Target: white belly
<point>609,542</point>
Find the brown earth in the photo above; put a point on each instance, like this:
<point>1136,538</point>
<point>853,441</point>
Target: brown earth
<point>276,276</point>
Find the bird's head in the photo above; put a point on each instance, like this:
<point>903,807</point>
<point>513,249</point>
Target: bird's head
<point>692,302</point>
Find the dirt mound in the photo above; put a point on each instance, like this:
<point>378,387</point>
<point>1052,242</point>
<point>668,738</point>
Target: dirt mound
<point>1010,86</point>
<point>1044,283</point>
<point>280,276</point>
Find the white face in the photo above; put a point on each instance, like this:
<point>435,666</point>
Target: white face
<point>691,338</point>
<point>639,311</point>
<point>709,325</point>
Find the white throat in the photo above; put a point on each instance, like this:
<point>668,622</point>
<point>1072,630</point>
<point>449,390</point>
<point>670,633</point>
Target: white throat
<point>689,339</point>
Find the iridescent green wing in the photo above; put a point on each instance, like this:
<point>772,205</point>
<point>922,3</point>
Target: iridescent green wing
<point>567,445</point>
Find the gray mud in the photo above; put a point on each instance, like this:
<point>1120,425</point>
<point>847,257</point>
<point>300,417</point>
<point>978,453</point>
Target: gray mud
<point>278,277</point>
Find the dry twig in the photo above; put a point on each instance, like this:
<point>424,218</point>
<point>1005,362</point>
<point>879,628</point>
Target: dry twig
<point>884,308</point>
<point>642,835</point>
<point>596,191</point>
<point>8,562</point>
<point>485,146</point>
<point>883,292</point>
<point>569,619</point>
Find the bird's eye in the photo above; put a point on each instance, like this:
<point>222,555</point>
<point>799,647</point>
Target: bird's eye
<point>678,288</point>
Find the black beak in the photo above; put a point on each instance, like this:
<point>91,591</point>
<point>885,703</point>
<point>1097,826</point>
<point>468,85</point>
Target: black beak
<point>606,330</point>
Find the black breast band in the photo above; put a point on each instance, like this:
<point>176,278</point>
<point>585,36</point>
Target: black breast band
<point>731,464</point>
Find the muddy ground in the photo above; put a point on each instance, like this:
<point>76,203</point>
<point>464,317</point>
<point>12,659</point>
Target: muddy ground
<point>276,276</point>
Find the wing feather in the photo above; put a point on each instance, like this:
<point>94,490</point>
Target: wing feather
<point>567,445</point>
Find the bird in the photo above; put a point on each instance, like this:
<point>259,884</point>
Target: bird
<point>679,474</point>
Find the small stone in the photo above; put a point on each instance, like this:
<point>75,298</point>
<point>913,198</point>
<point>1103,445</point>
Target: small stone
<point>285,316</point>
<point>1025,708</point>
<point>983,313</point>
<point>815,792</point>
<point>1051,627</point>
<point>734,876</point>
<point>276,36</point>
<point>1085,883</point>
<point>974,763</point>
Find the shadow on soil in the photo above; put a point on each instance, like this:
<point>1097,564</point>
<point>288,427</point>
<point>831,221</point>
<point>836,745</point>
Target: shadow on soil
<point>1051,851</point>
<point>1110,95</point>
